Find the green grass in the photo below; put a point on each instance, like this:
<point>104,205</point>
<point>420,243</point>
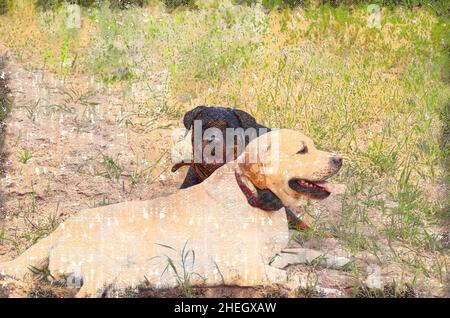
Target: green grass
<point>182,269</point>
<point>39,229</point>
<point>392,290</point>
<point>25,156</point>
<point>36,225</point>
<point>31,109</point>
<point>112,168</point>
<point>378,96</point>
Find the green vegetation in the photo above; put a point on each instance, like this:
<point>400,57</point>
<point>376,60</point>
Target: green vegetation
<point>183,269</point>
<point>379,96</point>
<point>25,156</point>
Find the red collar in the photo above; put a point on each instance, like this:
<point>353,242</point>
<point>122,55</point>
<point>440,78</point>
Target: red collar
<point>251,196</point>
<point>254,200</point>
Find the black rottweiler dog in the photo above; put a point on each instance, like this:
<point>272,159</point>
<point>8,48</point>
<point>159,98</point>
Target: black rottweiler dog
<point>222,118</point>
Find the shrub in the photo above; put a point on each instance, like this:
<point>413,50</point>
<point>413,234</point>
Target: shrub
<point>171,4</point>
<point>48,4</point>
<point>120,4</point>
<point>124,4</point>
<point>270,4</point>
<point>4,5</point>
<point>438,6</point>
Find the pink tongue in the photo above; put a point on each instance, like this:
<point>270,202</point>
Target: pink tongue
<point>333,188</point>
<point>328,187</point>
<point>324,184</point>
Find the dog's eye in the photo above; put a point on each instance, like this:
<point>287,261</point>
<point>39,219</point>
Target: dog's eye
<point>303,150</point>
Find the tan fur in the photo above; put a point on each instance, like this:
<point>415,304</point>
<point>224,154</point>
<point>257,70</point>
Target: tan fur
<point>281,162</point>
<point>126,244</point>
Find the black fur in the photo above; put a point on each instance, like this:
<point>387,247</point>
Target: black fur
<point>222,118</point>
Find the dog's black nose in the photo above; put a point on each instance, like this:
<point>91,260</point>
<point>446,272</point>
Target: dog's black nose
<point>336,161</point>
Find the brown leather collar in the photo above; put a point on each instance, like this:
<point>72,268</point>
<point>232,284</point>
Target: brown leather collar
<point>202,171</point>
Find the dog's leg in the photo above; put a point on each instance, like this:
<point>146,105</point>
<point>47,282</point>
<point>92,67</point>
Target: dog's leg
<point>89,290</point>
<point>96,279</point>
<point>34,257</point>
<point>275,275</point>
<point>292,256</point>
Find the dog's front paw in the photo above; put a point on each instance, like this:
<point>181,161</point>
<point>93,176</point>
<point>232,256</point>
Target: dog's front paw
<point>275,275</point>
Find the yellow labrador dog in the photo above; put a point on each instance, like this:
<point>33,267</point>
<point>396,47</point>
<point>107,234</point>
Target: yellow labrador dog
<point>208,234</point>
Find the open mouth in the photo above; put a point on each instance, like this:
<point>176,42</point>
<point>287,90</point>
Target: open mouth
<point>316,190</point>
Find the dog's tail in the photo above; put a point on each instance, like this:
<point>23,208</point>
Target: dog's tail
<point>33,259</point>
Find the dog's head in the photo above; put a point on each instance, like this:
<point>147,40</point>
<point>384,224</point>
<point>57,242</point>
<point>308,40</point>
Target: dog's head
<point>287,163</point>
<point>220,117</point>
<point>210,124</point>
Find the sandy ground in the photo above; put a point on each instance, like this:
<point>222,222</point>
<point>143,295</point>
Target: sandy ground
<point>71,128</point>
<point>68,127</point>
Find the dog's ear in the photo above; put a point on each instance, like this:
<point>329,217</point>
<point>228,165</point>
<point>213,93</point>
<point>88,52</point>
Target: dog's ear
<point>256,160</point>
<point>190,116</point>
<point>269,199</point>
<point>246,119</point>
